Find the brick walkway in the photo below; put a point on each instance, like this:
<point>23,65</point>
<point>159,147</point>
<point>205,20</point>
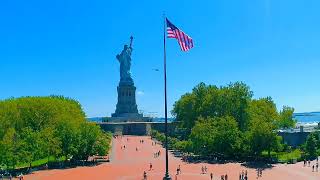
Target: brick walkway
<point>129,164</point>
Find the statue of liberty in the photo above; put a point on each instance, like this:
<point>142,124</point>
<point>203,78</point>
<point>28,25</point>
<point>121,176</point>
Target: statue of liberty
<point>124,59</point>
<point>126,105</point>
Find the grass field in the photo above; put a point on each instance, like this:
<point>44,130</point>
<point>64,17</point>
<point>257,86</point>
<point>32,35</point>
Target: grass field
<point>37,162</point>
<point>285,157</point>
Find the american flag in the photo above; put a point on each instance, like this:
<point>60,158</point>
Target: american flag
<point>184,40</point>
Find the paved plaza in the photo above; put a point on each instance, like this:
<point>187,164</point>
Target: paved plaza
<point>130,162</point>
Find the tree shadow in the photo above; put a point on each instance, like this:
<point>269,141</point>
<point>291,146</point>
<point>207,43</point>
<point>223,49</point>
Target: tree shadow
<point>194,159</point>
<point>257,165</point>
<point>53,166</point>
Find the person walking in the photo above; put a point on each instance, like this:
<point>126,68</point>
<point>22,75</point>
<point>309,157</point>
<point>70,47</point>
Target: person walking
<point>226,177</point>
<point>178,170</point>
<point>222,177</point>
<point>317,167</point>
<point>150,166</point>
<point>312,168</point>
<point>211,176</point>
<point>144,175</point>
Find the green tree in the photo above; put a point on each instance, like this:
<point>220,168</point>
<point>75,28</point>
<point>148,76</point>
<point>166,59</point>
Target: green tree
<point>102,145</point>
<point>286,118</point>
<point>33,128</point>
<point>32,147</point>
<point>218,135</point>
<point>89,133</point>
<point>261,133</point>
<point>211,101</point>
<point>50,142</point>
<point>11,146</point>
<point>311,146</point>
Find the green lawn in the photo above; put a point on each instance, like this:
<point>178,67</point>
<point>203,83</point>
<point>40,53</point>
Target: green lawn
<point>38,162</point>
<point>285,157</point>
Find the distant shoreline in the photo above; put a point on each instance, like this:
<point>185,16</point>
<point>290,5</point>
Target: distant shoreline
<point>305,118</point>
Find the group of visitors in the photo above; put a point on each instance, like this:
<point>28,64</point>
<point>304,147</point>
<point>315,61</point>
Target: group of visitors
<point>224,177</point>
<point>259,172</point>
<point>157,154</point>
<point>244,175</point>
<point>315,167</point>
<point>204,170</point>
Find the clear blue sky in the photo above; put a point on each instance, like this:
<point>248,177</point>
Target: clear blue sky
<point>68,47</point>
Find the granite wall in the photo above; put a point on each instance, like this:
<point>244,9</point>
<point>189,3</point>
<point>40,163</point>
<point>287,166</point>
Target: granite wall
<point>135,128</point>
<point>294,139</point>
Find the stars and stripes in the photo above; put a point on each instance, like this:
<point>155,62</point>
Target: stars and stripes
<point>184,40</point>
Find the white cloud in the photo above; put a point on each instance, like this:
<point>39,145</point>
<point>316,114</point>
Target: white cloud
<point>140,93</point>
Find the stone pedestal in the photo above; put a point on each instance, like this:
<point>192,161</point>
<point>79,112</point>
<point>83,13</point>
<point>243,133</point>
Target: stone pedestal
<point>126,107</point>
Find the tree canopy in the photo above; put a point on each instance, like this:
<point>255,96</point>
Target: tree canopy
<point>33,128</point>
<point>227,120</point>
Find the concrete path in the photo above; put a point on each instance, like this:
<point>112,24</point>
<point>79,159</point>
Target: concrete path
<point>129,164</point>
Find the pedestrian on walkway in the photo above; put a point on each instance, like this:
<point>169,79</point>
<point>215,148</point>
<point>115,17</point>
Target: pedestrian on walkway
<point>211,176</point>
<point>144,175</point>
<point>150,167</point>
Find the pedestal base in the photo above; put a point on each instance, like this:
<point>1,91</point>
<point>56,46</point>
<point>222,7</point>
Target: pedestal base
<point>126,106</point>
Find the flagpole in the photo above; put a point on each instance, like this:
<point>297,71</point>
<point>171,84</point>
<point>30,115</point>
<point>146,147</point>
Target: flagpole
<point>167,176</point>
